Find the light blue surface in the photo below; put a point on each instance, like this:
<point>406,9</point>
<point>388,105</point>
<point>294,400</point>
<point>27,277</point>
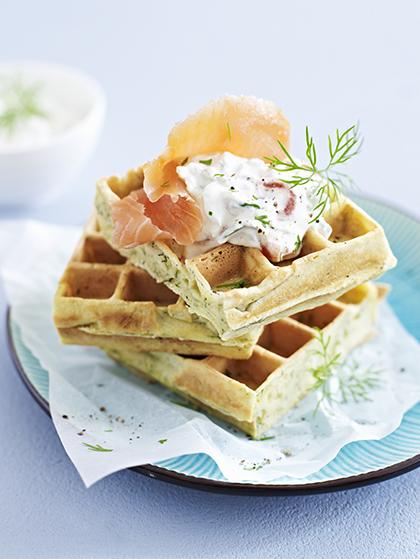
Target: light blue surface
<point>327,64</point>
<point>355,458</point>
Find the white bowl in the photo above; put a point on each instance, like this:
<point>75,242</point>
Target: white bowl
<point>31,175</point>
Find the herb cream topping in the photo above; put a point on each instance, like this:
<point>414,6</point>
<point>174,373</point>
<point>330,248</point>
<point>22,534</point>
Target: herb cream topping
<point>246,202</point>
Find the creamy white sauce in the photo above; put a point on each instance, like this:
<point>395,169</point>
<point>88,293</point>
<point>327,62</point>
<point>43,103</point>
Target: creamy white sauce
<point>31,131</point>
<point>240,207</point>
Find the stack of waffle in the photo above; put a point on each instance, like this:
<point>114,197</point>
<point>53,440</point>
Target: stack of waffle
<point>228,330</point>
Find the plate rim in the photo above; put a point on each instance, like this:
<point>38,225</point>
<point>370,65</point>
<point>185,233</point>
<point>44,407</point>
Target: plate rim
<point>235,488</point>
<point>227,487</point>
<point>410,214</point>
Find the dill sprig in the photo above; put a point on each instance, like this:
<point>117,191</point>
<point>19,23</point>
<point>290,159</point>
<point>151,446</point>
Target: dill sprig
<point>20,103</point>
<point>328,360</point>
<point>353,383</point>
<point>342,146</point>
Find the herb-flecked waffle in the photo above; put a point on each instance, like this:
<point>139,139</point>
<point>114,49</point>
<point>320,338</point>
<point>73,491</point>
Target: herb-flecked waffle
<point>236,287</point>
<point>104,300</point>
<point>254,394</point>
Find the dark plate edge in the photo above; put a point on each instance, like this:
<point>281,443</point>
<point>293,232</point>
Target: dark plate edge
<point>204,484</point>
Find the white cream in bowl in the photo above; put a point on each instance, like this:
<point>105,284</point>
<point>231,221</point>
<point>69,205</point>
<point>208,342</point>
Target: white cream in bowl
<point>50,118</point>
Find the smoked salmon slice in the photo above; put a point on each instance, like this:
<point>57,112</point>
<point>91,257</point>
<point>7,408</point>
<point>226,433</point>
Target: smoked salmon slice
<point>138,220</point>
<point>244,126</point>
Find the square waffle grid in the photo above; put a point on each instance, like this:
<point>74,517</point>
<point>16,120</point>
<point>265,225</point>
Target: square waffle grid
<point>254,394</point>
<point>104,300</point>
<point>356,252</point>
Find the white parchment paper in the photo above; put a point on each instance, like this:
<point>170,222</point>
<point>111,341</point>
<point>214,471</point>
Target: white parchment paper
<point>108,419</point>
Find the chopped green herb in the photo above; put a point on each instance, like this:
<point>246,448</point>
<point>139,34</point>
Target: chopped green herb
<point>206,161</point>
<point>210,213</point>
<point>219,175</point>
<point>232,188</point>
<point>97,448</point>
<point>234,285</point>
<point>246,204</point>
<point>263,219</point>
<point>162,441</point>
<point>229,133</point>
<point>298,244</point>
<point>108,430</point>
<point>266,438</point>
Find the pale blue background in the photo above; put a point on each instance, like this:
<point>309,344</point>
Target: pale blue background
<point>327,64</point>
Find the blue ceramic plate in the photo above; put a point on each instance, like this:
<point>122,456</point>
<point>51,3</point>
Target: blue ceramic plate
<point>358,463</point>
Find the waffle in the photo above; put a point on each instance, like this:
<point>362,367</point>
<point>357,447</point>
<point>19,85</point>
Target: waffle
<point>356,252</point>
<point>103,300</point>
<point>254,394</point>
